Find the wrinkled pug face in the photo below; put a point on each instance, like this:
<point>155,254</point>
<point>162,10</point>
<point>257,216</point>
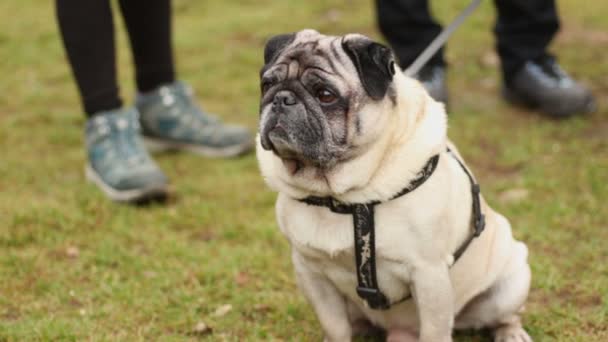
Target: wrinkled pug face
<point>313,89</point>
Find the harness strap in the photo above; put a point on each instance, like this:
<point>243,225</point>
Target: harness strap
<point>365,256</point>
<point>345,208</point>
<point>479,219</point>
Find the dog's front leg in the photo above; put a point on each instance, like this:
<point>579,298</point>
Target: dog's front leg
<point>328,303</point>
<point>432,291</point>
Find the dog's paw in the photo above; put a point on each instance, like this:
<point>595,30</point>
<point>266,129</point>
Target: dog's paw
<point>401,335</point>
<point>511,333</point>
<point>363,328</point>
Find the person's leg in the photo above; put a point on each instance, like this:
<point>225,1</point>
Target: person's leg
<point>88,36</point>
<point>149,25</point>
<point>170,117</point>
<point>409,28</point>
<point>524,29</point>
<point>117,161</point>
<point>532,77</point>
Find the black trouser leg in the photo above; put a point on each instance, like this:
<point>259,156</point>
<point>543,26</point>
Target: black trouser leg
<point>523,30</point>
<point>149,26</point>
<point>87,31</point>
<point>409,28</point>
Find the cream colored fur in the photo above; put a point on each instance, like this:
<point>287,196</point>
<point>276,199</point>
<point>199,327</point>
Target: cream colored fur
<point>416,234</point>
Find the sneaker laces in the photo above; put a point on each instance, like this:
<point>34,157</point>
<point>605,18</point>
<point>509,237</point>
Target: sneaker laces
<point>550,72</point>
<point>184,98</point>
<point>127,144</point>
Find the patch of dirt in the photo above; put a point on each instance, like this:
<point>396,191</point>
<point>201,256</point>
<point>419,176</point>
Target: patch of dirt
<point>242,278</point>
<point>579,35</point>
<point>488,166</point>
<point>10,314</point>
<point>581,300</point>
<point>245,38</point>
<point>203,235</point>
<point>568,294</point>
<point>64,253</point>
<point>596,329</point>
<point>599,131</point>
<point>75,303</point>
<point>258,310</point>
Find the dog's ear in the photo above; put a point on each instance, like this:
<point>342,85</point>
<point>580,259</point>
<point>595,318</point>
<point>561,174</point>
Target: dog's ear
<point>375,64</point>
<point>276,44</point>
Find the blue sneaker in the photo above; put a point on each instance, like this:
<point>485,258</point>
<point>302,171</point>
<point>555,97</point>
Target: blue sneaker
<point>118,162</point>
<point>171,120</point>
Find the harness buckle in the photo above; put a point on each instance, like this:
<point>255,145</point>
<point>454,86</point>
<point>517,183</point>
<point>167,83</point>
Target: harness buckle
<point>475,189</point>
<point>373,298</point>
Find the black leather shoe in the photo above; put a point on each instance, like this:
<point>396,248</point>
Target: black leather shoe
<point>545,86</point>
<point>432,78</point>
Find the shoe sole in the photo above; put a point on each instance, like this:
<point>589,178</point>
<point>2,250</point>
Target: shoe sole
<point>157,145</point>
<point>558,112</point>
<point>126,196</point>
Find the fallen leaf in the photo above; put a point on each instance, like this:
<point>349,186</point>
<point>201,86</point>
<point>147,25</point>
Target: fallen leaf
<point>150,274</point>
<point>242,278</point>
<point>72,252</point>
<point>201,329</point>
<point>222,310</point>
<point>489,59</point>
<point>262,308</point>
<point>513,195</point>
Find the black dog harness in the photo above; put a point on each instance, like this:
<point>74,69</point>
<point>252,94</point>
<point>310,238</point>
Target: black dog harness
<point>364,231</point>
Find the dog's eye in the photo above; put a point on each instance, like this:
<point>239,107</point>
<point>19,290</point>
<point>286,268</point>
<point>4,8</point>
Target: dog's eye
<point>326,96</point>
<point>266,85</point>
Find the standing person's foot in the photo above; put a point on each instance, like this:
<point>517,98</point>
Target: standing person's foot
<point>543,85</point>
<point>432,78</point>
<point>118,162</point>
<point>171,120</point>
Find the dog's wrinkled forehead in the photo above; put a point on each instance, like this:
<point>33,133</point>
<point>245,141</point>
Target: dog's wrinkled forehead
<point>309,49</point>
<point>354,58</point>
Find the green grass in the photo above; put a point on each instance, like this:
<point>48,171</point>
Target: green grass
<point>74,266</point>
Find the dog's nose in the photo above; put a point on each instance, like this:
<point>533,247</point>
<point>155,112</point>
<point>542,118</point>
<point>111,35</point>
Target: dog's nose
<point>285,97</point>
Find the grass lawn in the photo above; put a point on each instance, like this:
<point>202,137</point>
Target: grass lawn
<point>74,266</point>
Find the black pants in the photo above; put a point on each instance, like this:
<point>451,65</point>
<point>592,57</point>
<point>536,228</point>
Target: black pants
<point>87,30</point>
<point>523,30</point>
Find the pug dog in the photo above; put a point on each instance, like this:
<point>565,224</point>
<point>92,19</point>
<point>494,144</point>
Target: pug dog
<point>339,120</point>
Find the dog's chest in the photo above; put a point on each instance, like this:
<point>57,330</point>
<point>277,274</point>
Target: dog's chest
<point>316,231</point>
<point>326,240</point>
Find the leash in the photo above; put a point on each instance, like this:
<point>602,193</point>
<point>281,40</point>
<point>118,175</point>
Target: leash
<point>440,40</point>
<point>364,231</point>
